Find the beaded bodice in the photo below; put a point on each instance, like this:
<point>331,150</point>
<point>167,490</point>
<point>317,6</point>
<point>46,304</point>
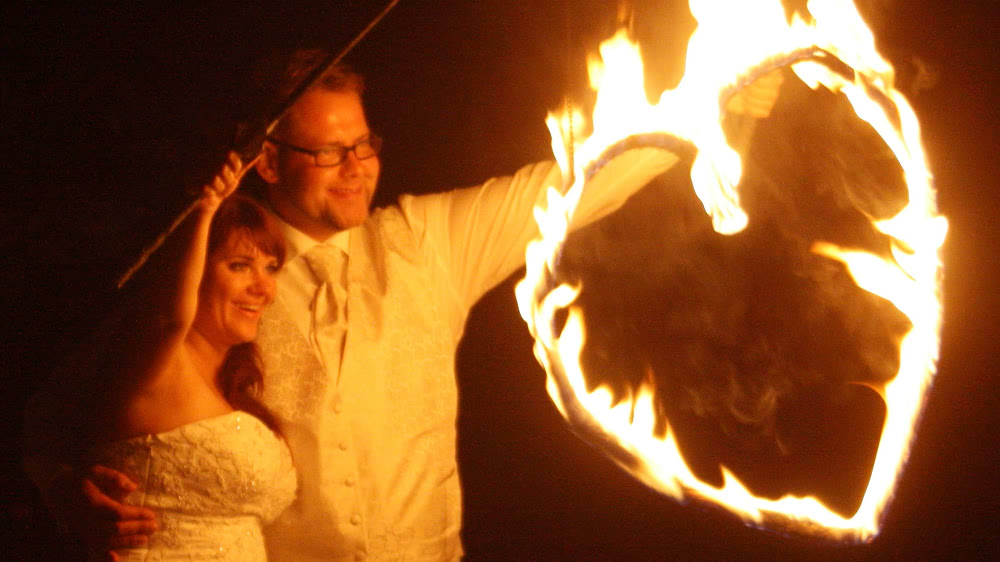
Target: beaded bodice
<point>213,484</point>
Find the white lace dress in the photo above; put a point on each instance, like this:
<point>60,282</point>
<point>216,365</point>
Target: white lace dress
<point>213,484</point>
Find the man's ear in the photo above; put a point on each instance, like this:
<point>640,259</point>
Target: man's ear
<point>267,164</point>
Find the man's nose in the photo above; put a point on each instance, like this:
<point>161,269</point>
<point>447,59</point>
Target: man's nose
<point>351,164</point>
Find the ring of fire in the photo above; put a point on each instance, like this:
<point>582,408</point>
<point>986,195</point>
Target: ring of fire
<point>911,279</point>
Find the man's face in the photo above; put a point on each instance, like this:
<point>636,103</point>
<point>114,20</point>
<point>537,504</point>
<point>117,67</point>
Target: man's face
<point>320,201</point>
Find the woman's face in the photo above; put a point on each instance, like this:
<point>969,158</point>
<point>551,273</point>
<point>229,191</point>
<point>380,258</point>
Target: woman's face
<point>237,287</point>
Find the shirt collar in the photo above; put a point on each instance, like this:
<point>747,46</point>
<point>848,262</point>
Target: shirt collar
<point>298,242</point>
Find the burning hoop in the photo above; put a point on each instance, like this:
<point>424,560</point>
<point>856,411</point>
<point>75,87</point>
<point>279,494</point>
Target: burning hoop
<point>835,50</point>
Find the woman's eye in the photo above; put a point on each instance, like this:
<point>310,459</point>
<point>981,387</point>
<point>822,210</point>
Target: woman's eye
<point>273,267</point>
<point>238,266</point>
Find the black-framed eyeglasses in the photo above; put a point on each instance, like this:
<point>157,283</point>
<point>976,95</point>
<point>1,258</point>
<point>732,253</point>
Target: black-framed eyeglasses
<point>335,155</point>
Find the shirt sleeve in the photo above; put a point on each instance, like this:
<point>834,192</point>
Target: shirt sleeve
<point>479,234</point>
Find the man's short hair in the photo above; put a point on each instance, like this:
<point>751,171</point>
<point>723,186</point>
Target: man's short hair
<point>300,64</point>
<point>338,78</point>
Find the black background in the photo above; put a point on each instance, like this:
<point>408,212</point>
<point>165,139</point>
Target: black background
<point>111,112</point>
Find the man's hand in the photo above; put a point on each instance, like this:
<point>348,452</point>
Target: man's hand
<point>757,99</point>
<point>89,502</point>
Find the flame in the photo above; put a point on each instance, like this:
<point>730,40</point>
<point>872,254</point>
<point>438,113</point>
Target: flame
<point>760,38</point>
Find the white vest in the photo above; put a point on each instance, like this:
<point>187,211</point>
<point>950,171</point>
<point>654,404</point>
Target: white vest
<point>394,435</point>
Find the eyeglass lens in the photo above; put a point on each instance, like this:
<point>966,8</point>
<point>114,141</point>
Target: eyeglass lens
<point>363,149</point>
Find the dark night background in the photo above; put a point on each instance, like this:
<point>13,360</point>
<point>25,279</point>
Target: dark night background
<point>110,112</point>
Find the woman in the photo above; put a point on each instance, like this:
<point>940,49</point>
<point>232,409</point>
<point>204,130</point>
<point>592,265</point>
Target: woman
<point>183,421</point>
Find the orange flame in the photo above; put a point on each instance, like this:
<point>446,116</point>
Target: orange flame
<point>763,38</point>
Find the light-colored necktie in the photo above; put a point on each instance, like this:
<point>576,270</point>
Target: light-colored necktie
<point>329,305</point>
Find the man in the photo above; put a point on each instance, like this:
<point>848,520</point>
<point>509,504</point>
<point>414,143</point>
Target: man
<point>359,344</point>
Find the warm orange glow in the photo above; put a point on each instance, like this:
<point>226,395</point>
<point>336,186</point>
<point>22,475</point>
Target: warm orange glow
<point>728,46</point>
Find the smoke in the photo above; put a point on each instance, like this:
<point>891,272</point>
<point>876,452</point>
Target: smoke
<point>751,340</point>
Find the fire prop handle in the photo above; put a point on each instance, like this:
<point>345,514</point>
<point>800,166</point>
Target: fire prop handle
<point>251,137</point>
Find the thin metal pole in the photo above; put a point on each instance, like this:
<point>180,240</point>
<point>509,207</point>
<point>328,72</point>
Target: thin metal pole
<point>567,101</point>
<point>248,144</point>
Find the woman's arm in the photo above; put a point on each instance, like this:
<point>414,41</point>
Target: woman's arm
<point>150,333</point>
<point>138,343</point>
